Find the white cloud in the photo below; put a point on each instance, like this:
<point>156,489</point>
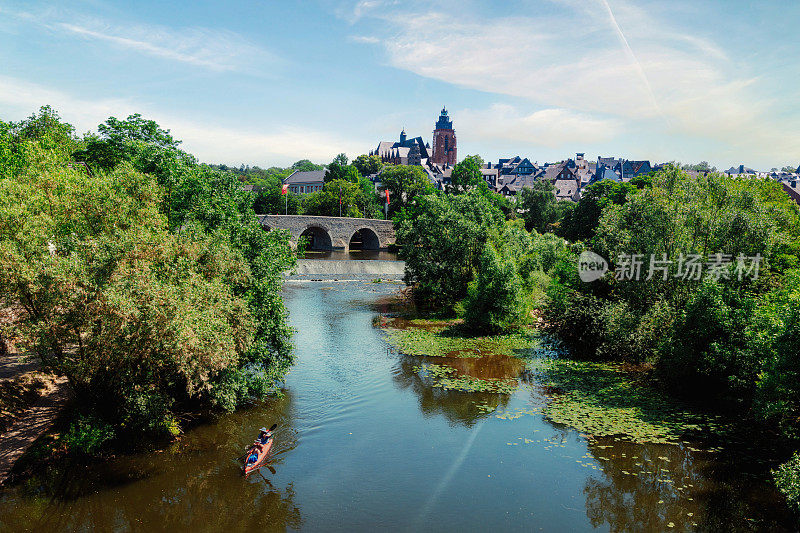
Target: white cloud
<point>214,144</point>
<point>553,128</point>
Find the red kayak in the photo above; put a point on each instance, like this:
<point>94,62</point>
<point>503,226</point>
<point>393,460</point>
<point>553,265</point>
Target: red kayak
<point>249,467</point>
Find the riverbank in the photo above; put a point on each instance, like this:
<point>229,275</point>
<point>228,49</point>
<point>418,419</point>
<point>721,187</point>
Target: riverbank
<point>30,402</point>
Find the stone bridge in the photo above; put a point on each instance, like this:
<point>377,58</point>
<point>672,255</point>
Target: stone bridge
<point>334,233</point>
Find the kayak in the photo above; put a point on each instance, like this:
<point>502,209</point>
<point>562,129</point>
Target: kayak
<point>249,467</point>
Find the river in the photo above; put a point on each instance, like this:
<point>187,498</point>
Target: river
<point>364,443</point>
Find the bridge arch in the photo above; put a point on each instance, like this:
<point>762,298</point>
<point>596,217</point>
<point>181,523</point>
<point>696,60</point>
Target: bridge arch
<point>364,239</point>
<point>336,233</point>
<point>318,238</point>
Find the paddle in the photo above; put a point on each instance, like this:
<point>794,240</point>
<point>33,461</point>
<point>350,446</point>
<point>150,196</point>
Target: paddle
<point>251,448</point>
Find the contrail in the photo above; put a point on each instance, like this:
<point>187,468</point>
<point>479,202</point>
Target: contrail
<point>449,475</point>
<point>633,58</point>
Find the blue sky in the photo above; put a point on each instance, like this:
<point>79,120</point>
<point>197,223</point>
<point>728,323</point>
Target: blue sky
<point>269,83</point>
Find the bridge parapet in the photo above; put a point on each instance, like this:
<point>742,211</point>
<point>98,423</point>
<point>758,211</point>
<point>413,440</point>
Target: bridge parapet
<point>334,232</point>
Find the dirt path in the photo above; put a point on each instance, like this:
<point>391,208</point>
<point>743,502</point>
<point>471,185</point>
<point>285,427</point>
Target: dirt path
<point>31,423</point>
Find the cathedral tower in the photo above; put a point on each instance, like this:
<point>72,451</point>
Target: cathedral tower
<point>444,141</point>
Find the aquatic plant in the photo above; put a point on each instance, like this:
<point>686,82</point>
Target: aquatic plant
<point>447,378</point>
<point>605,399</point>
<point>434,340</point>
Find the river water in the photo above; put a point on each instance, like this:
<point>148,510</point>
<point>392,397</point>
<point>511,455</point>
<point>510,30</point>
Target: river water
<point>365,443</point>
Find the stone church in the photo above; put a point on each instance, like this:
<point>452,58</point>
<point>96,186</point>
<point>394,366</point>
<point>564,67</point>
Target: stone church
<point>415,151</point>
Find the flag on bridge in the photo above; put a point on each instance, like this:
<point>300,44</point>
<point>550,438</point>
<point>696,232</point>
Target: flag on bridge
<point>285,188</point>
<point>387,196</point>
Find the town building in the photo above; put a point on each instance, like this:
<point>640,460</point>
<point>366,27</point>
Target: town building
<point>741,170</point>
<point>403,152</point>
<point>304,182</point>
<point>444,142</point>
<point>792,188</point>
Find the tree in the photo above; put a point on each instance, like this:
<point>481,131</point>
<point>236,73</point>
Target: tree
<point>790,170</point>
<point>139,311</point>
<point>337,169</point>
<point>339,197</point>
<point>702,166</point>
<point>494,302</point>
<point>538,206</point>
<point>304,165</point>
<point>442,238</point>
<point>39,141</point>
<point>368,165</point>
<point>580,223</point>
<point>119,140</point>
<point>270,200</point>
<point>404,183</point>
<point>466,174</point>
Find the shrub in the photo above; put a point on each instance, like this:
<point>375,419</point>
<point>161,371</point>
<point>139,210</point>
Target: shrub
<point>494,300</point>
<point>787,478</point>
<point>86,435</point>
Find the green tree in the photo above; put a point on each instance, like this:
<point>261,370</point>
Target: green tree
<point>270,200</point>
<point>337,169</point>
<point>339,197</point>
<point>304,165</point>
<point>442,240</point>
<point>140,312</point>
<point>368,165</point>
<point>538,206</point>
<point>404,183</point>
<point>120,140</point>
<point>580,223</point>
<point>466,174</point>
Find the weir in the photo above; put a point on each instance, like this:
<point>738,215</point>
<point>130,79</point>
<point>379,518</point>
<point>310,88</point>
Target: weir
<point>348,269</point>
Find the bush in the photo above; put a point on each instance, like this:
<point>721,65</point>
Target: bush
<point>86,435</point>
<point>494,301</point>
<point>787,478</point>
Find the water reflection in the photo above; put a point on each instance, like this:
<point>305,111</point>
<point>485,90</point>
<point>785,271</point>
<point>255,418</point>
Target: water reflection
<point>194,484</point>
<point>658,487</point>
<point>456,406</point>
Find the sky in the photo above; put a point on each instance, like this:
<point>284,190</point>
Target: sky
<point>268,83</point>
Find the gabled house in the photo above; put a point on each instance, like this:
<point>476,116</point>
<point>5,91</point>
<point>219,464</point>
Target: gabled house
<point>517,166</point>
<point>605,173</point>
<point>559,171</point>
<point>304,182</point>
<point>741,170</point>
<point>567,190</point>
<point>792,188</point>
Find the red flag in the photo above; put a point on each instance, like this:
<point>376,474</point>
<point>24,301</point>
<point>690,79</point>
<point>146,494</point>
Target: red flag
<point>285,188</point>
<point>387,196</point>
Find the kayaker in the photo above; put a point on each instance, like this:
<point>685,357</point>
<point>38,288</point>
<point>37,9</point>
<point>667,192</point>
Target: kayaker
<point>263,437</point>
